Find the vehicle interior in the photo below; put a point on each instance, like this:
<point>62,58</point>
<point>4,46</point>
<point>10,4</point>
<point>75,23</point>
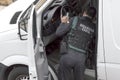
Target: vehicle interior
<point>51,20</point>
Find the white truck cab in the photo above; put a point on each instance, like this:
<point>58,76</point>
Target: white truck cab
<point>30,50</point>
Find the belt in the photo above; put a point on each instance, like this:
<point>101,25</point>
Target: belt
<point>77,49</point>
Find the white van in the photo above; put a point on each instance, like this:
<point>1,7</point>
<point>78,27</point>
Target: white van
<point>28,40</point>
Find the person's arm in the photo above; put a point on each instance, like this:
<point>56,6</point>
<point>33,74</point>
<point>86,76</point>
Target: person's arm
<point>64,27</point>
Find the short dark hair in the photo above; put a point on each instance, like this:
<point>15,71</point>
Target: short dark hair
<point>90,11</point>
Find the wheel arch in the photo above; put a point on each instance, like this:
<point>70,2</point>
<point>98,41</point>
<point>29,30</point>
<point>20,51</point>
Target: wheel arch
<point>15,59</point>
<point>12,62</point>
<point>10,68</point>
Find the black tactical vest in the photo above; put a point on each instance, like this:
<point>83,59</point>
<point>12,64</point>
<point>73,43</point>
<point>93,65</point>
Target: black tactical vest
<point>80,35</point>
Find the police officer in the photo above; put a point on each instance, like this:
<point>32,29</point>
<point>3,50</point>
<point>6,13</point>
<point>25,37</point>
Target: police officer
<point>77,34</point>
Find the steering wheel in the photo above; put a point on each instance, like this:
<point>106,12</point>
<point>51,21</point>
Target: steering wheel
<point>65,11</point>
<point>51,18</point>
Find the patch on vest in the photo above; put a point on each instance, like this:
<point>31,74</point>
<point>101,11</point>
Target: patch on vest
<point>86,29</point>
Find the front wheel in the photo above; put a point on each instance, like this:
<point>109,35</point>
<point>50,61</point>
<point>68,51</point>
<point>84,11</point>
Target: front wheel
<point>19,73</point>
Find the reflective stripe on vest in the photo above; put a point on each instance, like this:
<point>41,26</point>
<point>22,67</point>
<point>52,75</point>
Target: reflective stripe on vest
<point>77,49</point>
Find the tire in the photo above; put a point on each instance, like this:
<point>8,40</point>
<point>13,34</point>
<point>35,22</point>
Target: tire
<point>19,73</point>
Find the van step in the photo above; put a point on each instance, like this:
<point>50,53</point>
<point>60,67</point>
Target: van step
<point>89,74</point>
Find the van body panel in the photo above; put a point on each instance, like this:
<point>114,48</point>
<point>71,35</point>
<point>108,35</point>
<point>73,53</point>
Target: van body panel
<point>10,45</point>
<point>113,71</point>
<point>100,46</point>
<point>9,35</point>
<point>7,13</point>
<point>111,25</point>
<point>15,59</point>
<point>101,71</point>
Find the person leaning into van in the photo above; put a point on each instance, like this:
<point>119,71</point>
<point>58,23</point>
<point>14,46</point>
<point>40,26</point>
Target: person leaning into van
<point>77,34</point>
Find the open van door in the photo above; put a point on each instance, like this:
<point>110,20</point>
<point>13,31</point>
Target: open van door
<point>31,48</point>
<point>38,66</point>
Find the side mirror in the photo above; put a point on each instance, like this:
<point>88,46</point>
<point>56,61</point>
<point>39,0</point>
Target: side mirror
<point>22,29</point>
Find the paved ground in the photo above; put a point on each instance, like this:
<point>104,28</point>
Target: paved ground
<point>2,7</point>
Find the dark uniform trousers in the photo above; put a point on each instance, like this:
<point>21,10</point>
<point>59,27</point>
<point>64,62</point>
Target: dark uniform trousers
<point>72,64</point>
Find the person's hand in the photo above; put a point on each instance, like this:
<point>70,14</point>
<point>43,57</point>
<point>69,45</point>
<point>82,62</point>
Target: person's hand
<point>64,19</point>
